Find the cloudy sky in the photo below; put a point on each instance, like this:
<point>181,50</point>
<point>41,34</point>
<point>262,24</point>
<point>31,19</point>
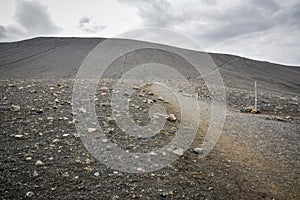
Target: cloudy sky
<point>259,29</point>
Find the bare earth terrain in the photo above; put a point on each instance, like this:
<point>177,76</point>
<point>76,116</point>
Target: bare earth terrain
<point>42,157</point>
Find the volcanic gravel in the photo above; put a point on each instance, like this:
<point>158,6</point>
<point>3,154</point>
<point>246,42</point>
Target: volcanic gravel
<point>42,156</point>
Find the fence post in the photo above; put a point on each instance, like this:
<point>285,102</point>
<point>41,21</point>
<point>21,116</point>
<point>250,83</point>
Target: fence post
<point>255,94</point>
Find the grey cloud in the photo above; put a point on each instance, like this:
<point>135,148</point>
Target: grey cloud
<point>83,21</point>
<point>34,17</point>
<point>10,32</point>
<point>154,13</point>
<point>88,24</point>
<point>245,19</point>
<point>31,18</point>
<point>295,15</point>
<point>214,21</point>
<point>157,13</point>
<point>266,29</point>
<point>2,32</point>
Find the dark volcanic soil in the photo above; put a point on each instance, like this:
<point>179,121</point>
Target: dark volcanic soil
<point>42,156</point>
<point>255,158</point>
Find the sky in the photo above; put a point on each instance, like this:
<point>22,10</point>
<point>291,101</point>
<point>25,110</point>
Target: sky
<point>266,30</point>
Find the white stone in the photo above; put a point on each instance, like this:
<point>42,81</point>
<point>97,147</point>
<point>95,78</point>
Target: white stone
<point>171,118</point>
<point>179,152</point>
<point>39,163</point>
<point>91,130</point>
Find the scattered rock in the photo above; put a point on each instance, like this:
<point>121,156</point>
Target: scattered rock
<point>171,118</point>
<point>294,98</point>
<point>50,118</point>
<point>11,85</point>
<point>136,106</point>
<point>39,163</point>
<point>178,152</point>
<point>198,150</point>
<point>19,136</point>
<point>15,108</point>
<point>66,174</point>
<point>35,174</point>
<point>33,91</point>
<point>160,99</point>
<point>91,130</point>
<point>88,161</point>
<point>255,111</point>
<point>76,135</point>
<point>162,194</point>
<point>148,101</point>
<point>39,111</point>
<point>55,140</point>
<point>248,109</point>
<point>279,119</point>
<point>78,161</point>
<point>105,105</point>
<point>28,158</point>
<point>139,169</point>
<point>29,194</point>
<point>110,120</point>
<point>164,132</point>
<point>88,169</point>
<point>104,89</point>
<point>96,174</point>
<point>82,110</point>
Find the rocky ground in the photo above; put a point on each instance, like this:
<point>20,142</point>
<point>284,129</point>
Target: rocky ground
<point>42,156</point>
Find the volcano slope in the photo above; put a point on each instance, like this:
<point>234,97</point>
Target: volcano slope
<point>42,156</point>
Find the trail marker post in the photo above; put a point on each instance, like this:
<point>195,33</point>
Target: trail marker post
<point>255,96</point>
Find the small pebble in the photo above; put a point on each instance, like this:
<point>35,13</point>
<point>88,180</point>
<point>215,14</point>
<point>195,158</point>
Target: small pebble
<point>28,158</point>
<point>29,194</point>
<point>82,110</point>
<point>178,152</point>
<point>171,118</point>
<point>91,130</point>
<point>15,108</point>
<point>66,174</point>
<point>198,150</point>
<point>110,120</point>
<point>19,136</point>
<point>39,163</point>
